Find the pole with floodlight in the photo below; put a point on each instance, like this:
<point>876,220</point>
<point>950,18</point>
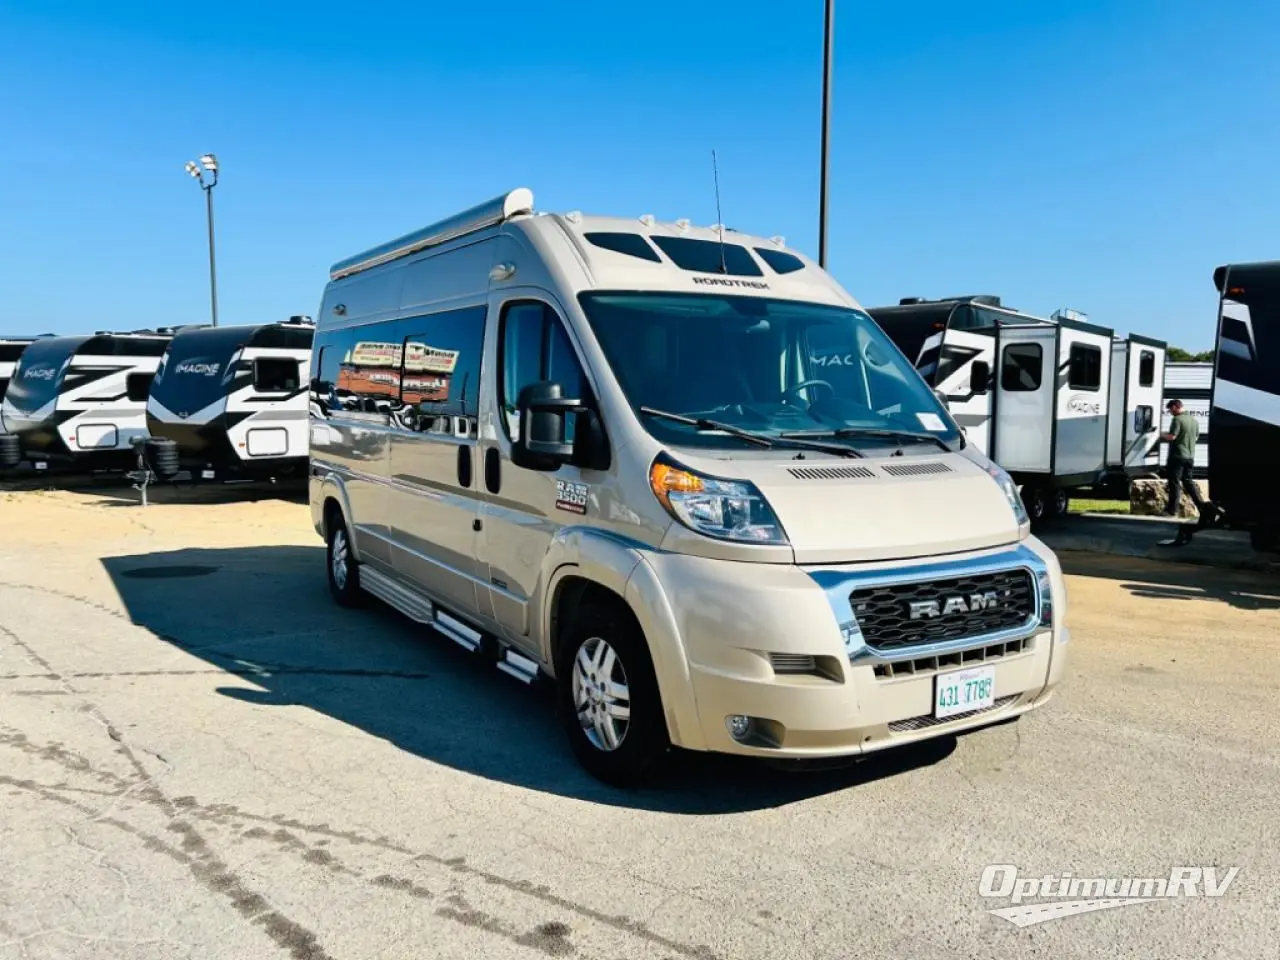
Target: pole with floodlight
<point>208,163</point>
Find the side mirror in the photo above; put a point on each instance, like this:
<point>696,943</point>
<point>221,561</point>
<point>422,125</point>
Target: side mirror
<point>980,377</point>
<point>542,410</point>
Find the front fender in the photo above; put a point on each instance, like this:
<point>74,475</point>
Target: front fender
<point>328,487</point>
<point>618,565</point>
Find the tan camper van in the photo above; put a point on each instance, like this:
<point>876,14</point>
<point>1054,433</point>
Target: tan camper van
<point>678,471</point>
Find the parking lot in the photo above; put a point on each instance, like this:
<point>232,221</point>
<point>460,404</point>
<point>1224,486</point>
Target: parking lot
<point>202,756</point>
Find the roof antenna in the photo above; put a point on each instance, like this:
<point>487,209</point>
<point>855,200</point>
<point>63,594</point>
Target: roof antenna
<point>715,174</point>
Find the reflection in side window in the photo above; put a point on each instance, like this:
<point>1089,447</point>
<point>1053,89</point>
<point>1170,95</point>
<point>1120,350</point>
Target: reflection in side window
<point>1022,367</point>
<point>440,378</point>
<point>275,374</point>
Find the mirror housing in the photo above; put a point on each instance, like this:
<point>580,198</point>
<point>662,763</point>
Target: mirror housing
<point>980,377</point>
<point>542,408</point>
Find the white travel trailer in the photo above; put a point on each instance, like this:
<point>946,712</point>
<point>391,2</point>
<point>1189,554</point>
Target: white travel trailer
<point>1192,383</point>
<point>11,349</point>
<point>1137,389</point>
<point>599,449</point>
<point>82,400</point>
<point>234,399</point>
<point>1032,394</point>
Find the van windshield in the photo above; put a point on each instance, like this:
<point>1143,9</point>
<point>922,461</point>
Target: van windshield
<point>769,366</point>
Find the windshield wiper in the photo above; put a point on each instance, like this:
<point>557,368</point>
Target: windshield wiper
<point>874,432</point>
<point>750,436</point>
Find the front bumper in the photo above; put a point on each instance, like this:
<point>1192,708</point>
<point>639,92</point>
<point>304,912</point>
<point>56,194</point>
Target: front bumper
<point>742,625</point>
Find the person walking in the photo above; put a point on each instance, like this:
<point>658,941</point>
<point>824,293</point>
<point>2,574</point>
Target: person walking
<point>1182,435</point>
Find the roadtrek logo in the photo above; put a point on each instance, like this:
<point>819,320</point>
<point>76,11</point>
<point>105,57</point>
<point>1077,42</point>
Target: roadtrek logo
<point>1067,896</point>
<point>726,282</point>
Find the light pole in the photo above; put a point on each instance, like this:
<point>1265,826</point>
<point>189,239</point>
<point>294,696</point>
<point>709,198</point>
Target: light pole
<point>209,163</point>
<point>826,132</point>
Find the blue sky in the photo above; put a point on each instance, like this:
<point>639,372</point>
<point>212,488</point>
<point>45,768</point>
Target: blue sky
<point>1104,156</point>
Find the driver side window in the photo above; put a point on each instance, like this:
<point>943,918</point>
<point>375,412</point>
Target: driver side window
<point>534,346</point>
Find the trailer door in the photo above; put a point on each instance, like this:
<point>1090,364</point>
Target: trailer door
<point>962,374</point>
<point>1024,395</point>
<point>1080,421</point>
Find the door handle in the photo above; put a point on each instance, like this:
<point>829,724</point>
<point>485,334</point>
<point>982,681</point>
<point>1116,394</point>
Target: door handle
<point>464,465</point>
<point>492,470</point>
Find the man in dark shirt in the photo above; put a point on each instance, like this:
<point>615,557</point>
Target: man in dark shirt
<point>1183,431</point>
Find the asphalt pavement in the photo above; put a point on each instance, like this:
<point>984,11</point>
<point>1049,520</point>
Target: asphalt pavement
<point>201,756</point>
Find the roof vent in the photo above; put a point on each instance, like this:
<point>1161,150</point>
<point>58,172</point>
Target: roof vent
<point>909,301</point>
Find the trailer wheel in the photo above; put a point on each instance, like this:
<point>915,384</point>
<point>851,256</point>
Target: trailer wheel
<point>1036,499</point>
<point>1061,502</point>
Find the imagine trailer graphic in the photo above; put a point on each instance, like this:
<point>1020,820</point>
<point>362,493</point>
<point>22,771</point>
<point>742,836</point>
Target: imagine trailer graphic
<point>1067,895</point>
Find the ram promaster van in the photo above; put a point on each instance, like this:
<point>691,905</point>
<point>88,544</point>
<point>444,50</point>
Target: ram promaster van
<point>599,449</point>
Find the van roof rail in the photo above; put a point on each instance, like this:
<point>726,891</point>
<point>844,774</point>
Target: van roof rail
<point>487,214</point>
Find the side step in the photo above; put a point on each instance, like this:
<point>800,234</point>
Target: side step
<point>421,610</point>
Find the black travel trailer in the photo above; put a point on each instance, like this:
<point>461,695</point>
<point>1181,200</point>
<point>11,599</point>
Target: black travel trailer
<point>235,399</point>
<point>81,401</point>
<point>1244,414</point>
<point>11,349</point>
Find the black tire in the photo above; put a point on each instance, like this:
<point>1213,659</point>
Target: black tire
<point>345,587</point>
<point>1265,539</point>
<point>162,453</point>
<point>1036,500</point>
<point>10,451</point>
<point>644,742</point>
<point>1061,503</point>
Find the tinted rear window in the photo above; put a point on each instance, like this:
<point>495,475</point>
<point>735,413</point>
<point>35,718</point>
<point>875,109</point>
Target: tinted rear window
<point>709,256</point>
<point>632,244</point>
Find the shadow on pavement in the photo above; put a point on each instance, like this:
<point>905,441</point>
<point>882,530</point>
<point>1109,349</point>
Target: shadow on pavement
<point>264,613</point>
<point>1160,580</point>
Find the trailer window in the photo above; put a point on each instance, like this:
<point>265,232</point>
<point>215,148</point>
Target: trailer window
<point>136,385</point>
<point>275,375</point>
<point>1146,369</point>
<point>1084,367</point>
<point>1022,367</point>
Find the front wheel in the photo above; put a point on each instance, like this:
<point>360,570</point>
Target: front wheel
<point>608,697</point>
<point>344,572</point>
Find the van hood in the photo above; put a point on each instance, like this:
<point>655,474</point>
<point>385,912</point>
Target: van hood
<point>837,510</point>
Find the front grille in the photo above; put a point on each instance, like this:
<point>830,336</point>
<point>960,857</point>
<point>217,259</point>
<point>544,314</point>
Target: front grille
<point>928,720</point>
<point>944,610</point>
<point>961,658</point>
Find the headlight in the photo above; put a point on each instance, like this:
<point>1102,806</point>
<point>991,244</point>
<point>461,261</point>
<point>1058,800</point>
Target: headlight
<point>724,509</point>
<point>1010,492</point>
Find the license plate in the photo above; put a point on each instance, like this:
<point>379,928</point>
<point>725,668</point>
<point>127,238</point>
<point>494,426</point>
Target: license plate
<point>964,690</point>
<point>206,474</point>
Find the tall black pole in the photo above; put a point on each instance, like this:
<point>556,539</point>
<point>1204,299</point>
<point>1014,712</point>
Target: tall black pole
<point>826,132</point>
<point>213,275</point>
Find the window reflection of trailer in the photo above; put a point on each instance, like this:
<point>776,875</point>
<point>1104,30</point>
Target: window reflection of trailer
<point>1033,394</point>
